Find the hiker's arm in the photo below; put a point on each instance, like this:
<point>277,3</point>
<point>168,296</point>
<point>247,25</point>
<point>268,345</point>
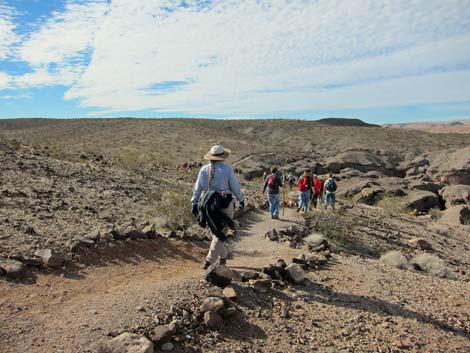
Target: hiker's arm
<point>235,186</point>
<point>265,184</point>
<point>198,187</point>
<point>280,182</point>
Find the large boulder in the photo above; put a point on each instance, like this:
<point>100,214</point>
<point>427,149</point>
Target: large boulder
<point>459,214</point>
<point>422,201</point>
<point>451,167</point>
<point>366,161</point>
<point>456,194</point>
<point>162,333</point>
<point>369,195</point>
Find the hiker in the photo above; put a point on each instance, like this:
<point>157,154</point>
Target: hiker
<point>322,190</point>
<point>273,182</point>
<point>317,189</point>
<point>217,205</point>
<point>304,187</point>
<point>184,165</point>
<point>291,180</point>
<point>330,188</point>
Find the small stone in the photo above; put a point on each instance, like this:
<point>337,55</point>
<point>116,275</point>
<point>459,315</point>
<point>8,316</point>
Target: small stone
<point>213,320</point>
<point>229,313</point>
<point>212,304</point>
<point>130,343</point>
<point>295,273</point>
<point>161,334</point>
<point>50,258</point>
<point>219,275</point>
<point>261,285</point>
<point>167,346</point>
<point>230,293</point>
<point>420,243</point>
<point>95,236</point>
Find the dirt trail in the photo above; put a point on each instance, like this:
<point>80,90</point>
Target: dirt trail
<point>72,311</point>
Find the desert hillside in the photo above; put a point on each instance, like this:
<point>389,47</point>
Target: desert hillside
<point>455,126</point>
<point>99,251</point>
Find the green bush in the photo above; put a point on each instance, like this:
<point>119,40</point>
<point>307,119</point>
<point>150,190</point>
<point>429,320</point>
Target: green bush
<point>333,225</point>
<point>174,210</point>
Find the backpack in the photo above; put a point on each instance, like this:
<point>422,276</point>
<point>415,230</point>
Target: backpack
<point>272,181</point>
<point>303,184</point>
<point>331,185</point>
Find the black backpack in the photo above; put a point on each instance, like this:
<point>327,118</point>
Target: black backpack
<point>331,185</point>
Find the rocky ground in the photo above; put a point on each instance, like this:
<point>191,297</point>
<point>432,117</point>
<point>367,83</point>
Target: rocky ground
<point>87,265</point>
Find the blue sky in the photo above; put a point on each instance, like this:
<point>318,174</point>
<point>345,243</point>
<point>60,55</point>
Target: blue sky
<point>381,61</point>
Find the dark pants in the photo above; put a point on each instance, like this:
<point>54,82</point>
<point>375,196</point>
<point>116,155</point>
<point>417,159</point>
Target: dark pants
<point>315,197</point>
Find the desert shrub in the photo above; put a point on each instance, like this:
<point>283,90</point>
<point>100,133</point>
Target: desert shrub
<point>392,205</point>
<point>395,259</point>
<point>174,210</point>
<point>132,159</point>
<point>435,213</point>
<point>333,225</point>
<point>432,264</point>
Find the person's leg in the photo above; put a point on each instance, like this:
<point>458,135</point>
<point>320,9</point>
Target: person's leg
<point>315,199</point>
<point>326,202</point>
<point>276,202</point>
<point>333,201</point>
<point>301,200</point>
<point>229,211</point>
<point>216,250</point>
<point>307,201</point>
<point>271,204</point>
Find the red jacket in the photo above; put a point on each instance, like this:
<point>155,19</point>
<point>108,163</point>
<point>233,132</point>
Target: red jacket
<point>317,185</point>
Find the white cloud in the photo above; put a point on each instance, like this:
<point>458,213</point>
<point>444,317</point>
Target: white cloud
<point>7,34</point>
<point>235,54</point>
<point>244,57</point>
<point>58,48</point>
<point>4,80</point>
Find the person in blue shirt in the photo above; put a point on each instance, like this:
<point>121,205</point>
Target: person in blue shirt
<point>219,177</point>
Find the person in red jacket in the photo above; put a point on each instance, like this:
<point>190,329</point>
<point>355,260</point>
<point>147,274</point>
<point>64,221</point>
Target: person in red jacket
<point>317,190</point>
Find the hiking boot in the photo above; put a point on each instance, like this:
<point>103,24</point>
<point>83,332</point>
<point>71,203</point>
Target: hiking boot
<point>207,264</point>
<point>297,210</point>
<point>222,262</point>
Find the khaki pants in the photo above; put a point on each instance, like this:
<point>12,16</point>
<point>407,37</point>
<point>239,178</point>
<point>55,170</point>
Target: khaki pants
<point>218,247</point>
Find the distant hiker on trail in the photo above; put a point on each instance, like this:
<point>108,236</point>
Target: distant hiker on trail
<point>330,188</point>
<point>317,190</point>
<point>291,180</point>
<point>184,165</point>
<point>304,187</point>
<point>217,205</point>
<point>273,182</point>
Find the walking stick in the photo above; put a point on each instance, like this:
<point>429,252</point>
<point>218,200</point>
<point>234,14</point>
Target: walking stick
<point>283,199</point>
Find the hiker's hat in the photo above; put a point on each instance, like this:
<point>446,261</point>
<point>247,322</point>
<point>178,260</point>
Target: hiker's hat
<point>217,153</point>
<point>315,176</point>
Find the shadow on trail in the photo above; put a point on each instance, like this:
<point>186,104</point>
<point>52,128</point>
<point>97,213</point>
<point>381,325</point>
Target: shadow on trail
<point>127,251</point>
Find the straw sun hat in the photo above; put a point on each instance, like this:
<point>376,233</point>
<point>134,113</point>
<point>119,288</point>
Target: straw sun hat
<point>217,153</point>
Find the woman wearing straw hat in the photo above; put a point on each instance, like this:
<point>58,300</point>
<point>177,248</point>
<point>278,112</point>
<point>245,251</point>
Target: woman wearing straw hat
<point>218,180</point>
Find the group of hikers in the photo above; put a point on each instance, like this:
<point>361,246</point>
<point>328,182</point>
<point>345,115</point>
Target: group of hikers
<point>190,165</point>
<point>215,190</point>
<point>312,190</point>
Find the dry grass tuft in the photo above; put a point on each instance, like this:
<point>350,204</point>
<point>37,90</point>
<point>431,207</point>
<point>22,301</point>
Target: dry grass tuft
<point>395,259</point>
<point>433,265</point>
<point>174,210</point>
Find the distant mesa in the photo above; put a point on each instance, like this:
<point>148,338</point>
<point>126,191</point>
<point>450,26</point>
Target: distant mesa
<point>345,122</point>
<point>456,123</point>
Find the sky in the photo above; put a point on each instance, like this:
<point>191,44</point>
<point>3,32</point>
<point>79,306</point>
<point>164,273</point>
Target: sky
<point>377,60</point>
